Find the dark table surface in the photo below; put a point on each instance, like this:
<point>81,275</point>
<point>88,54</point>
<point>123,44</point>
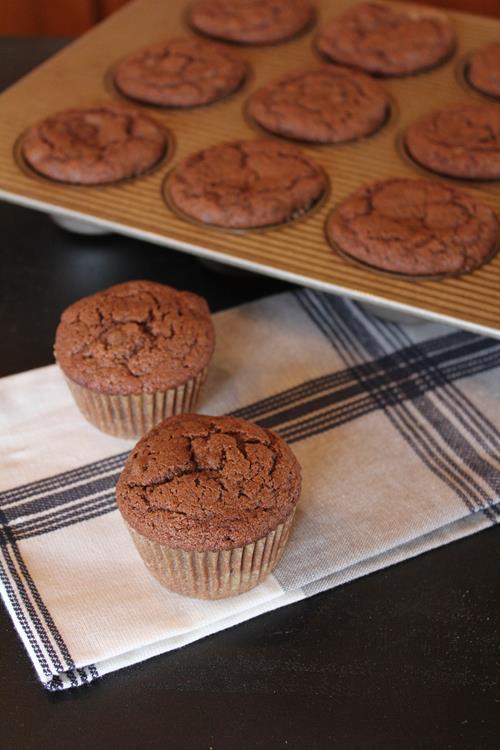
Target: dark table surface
<point>404,658</point>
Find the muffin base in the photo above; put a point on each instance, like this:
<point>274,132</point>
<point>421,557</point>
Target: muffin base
<point>408,276</point>
<point>133,415</point>
<point>218,574</point>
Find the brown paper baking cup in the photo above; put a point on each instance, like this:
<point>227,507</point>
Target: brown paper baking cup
<point>214,575</point>
<point>133,415</point>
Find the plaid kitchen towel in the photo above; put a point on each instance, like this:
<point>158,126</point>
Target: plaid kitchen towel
<point>396,429</point>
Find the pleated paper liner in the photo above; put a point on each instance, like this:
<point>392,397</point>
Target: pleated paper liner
<point>214,575</point>
<point>131,416</point>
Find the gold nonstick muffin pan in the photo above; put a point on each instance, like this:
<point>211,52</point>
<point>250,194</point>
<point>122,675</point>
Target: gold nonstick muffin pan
<point>298,251</point>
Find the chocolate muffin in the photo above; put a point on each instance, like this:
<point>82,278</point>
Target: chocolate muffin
<point>246,184</point>
<point>184,72</point>
<point>134,354</point>
<point>462,140</point>
<point>415,227</point>
<point>251,21</point>
<point>94,146</point>
<point>386,39</point>
<point>484,69</point>
<point>327,104</point>
<point>209,503</point>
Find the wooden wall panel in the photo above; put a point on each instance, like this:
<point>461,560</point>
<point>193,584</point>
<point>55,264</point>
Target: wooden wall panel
<point>109,6</point>
<point>73,17</point>
<point>47,17</point>
<point>481,7</point>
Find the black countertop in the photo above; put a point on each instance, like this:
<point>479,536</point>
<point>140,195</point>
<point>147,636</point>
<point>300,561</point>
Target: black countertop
<point>404,658</point>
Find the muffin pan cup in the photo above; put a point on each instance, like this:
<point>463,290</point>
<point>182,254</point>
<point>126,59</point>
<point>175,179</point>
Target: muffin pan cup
<point>404,276</point>
<point>391,116</point>
<point>405,153</point>
<point>31,172</point>
<point>300,215</point>
<point>186,18</point>
<point>114,90</point>
<point>462,76</point>
<point>217,574</point>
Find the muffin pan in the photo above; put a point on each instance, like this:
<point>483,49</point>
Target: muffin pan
<point>297,251</point>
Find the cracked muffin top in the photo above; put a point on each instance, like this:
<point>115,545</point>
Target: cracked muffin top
<point>246,184</point>
<point>137,337</point>
<point>251,21</point>
<point>484,69</point>
<point>182,72</point>
<point>325,104</point>
<point>208,483</point>
<point>94,146</point>
<point>416,227</point>
<point>462,140</point>
<point>386,39</point>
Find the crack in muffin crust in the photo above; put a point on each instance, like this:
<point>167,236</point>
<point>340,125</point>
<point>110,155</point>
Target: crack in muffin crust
<point>245,184</point>
<point>462,140</point>
<point>137,337</point>
<point>183,72</point>
<point>414,227</point>
<point>208,483</point>
<point>383,39</point>
<point>327,104</point>
<point>94,146</point>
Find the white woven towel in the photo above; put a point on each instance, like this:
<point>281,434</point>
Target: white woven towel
<point>396,429</point>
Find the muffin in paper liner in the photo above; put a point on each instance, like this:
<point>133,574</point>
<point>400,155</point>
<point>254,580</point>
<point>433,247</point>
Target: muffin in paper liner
<point>209,503</point>
<point>132,415</point>
<point>135,354</point>
<point>214,574</point>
